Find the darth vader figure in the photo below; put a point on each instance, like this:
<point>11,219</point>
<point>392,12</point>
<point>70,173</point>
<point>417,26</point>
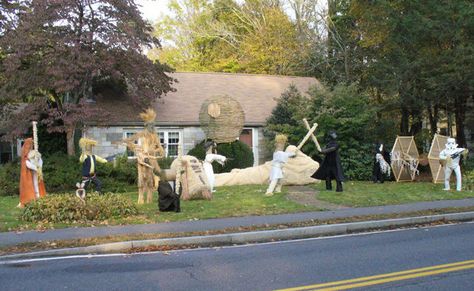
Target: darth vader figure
<point>331,167</point>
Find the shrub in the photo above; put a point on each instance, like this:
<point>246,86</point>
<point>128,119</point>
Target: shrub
<point>9,179</point>
<point>238,153</point>
<point>66,208</point>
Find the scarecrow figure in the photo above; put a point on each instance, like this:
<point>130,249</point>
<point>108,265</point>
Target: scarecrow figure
<point>280,157</point>
<point>147,148</point>
<point>211,156</point>
<point>381,166</point>
<point>89,164</point>
<point>449,159</point>
<point>331,166</point>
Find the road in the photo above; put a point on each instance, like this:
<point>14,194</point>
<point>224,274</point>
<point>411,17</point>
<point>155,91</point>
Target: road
<point>279,265</point>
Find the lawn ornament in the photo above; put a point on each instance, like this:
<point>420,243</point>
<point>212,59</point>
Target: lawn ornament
<point>89,163</point>
<point>31,174</point>
<point>191,181</point>
<point>222,119</point>
<point>404,159</point>
<point>211,156</point>
<point>450,158</point>
<point>81,191</point>
<point>280,157</point>
<point>147,148</point>
<point>437,145</point>
<point>331,167</point>
<point>381,165</point>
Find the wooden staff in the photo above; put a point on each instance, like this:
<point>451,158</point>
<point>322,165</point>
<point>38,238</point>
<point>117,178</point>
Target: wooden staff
<point>310,132</point>
<point>315,140</point>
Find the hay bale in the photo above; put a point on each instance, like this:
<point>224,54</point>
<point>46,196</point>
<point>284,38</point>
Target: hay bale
<point>222,118</point>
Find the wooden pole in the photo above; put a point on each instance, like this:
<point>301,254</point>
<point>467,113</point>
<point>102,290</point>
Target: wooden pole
<point>315,140</point>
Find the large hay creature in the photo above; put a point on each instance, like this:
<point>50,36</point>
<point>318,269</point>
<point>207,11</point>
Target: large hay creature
<point>147,148</point>
<point>191,180</point>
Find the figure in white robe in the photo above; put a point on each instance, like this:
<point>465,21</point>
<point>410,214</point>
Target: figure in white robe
<point>280,158</point>
<point>207,163</point>
<point>450,158</point>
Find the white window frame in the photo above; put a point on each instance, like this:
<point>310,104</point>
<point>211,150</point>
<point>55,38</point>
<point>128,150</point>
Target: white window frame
<point>158,130</point>
<point>166,132</point>
<point>126,132</point>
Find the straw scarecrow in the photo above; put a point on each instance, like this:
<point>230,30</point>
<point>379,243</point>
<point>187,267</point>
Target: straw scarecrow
<point>31,176</point>
<point>147,148</point>
<point>89,164</point>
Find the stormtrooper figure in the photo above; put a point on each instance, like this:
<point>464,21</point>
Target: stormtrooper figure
<point>211,156</point>
<point>449,159</point>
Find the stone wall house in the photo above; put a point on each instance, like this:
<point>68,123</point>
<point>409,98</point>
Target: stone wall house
<point>177,119</point>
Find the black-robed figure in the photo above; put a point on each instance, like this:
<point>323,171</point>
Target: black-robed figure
<point>167,199</point>
<point>331,167</point>
<point>381,164</point>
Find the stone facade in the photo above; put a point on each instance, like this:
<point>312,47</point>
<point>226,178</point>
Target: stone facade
<point>109,139</point>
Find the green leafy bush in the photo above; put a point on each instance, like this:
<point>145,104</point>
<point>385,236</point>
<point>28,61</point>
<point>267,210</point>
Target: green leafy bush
<point>66,208</point>
<point>238,153</point>
<point>9,179</point>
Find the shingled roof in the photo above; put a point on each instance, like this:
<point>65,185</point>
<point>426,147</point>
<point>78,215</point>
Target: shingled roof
<point>257,95</point>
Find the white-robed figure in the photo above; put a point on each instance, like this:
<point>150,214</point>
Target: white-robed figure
<point>449,159</point>
<point>211,157</point>
<point>280,157</point>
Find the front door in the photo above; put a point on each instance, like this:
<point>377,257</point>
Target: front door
<point>246,137</point>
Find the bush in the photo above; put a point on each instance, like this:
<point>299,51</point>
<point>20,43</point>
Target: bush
<point>9,179</point>
<point>238,153</point>
<point>68,208</point>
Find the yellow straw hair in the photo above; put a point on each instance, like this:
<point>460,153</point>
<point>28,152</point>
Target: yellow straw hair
<point>148,116</point>
<point>83,142</point>
<point>281,139</point>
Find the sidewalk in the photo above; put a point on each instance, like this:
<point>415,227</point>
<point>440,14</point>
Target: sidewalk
<point>13,238</point>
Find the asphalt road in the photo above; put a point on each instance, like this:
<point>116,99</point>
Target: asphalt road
<point>270,266</point>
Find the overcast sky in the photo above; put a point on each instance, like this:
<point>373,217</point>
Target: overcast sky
<point>152,9</point>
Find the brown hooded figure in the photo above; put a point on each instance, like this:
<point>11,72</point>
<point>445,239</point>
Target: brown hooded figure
<point>31,180</point>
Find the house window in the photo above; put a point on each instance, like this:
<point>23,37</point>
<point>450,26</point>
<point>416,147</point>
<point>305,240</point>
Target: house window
<point>170,139</point>
<point>129,152</point>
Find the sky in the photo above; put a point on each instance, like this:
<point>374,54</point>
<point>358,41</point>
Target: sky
<point>152,9</point>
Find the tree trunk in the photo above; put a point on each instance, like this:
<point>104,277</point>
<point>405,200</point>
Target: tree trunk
<point>404,121</point>
<point>460,114</point>
<point>433,117</point>
<point>71,150</point>
<point>417,122</point>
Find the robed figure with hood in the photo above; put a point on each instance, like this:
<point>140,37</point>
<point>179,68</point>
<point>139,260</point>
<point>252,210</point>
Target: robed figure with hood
<point>331,168</point>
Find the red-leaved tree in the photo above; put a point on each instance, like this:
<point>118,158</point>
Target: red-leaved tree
<point>54,51</point>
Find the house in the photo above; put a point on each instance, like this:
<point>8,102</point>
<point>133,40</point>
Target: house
<point>177,119</point>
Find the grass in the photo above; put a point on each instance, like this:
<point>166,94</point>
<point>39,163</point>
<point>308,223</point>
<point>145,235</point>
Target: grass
<point>226,202</point>
<point>362,194</point>
<point>249,200</point>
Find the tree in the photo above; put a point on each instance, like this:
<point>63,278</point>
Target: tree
<point>231,36</point>
<point>55,51</point>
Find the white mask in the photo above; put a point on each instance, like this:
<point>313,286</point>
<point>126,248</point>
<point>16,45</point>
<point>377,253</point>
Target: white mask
<point>451,144</point>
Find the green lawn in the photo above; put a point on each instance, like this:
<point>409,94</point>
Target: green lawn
<point>360,194</point>
<point>227,202</point>
<point>250,200</point>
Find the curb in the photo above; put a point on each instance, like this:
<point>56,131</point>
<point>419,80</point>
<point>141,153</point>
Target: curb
<point>247,237</point>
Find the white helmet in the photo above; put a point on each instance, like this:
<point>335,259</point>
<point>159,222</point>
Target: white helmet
<point>451,144</point>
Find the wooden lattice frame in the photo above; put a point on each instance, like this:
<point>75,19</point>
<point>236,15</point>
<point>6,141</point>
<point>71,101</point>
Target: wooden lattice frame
<point>437,145</point>
<point>404,159</point>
